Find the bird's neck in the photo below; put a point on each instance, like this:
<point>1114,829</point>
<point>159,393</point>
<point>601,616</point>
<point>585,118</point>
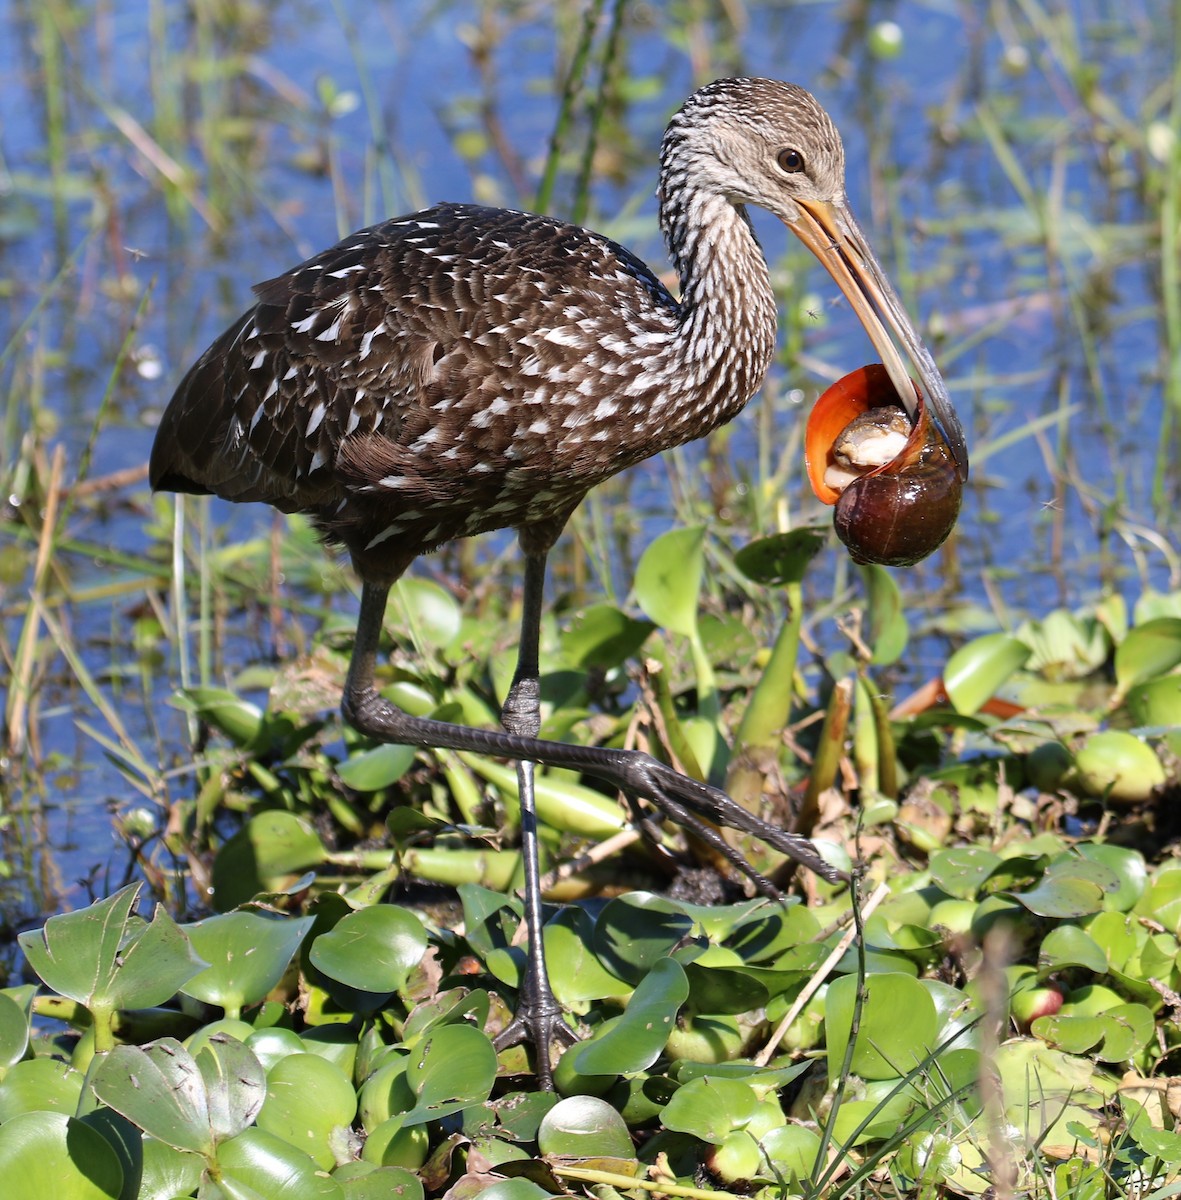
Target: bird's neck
<point>727,307</point>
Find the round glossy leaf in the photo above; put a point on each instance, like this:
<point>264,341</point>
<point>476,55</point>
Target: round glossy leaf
<point>271,1045</point>
<point>1149,650</point>
<point>1062,897</point>
<point>898,1025</point>
<point>269,848</point>
<point>257,1163</point>
<point>1070,946</point>
<point>634,931</point>
<point>367,1181</point>
<point>1127,866</point>
<point>452,1067</point>
<point>781,558</point>
<point>603,636</point>
<point>103,955</point>
<point>235,1084</point>
<point>372,770</point>
<point>710,1108</point>
<point>46,1154</point>
<point>514,1189</point>
<point>14,1032</point>
<point>247,954</point>
<point>668,579</point>
<point>1156,702</point>
<point>793,1149</point>
<point>373,949</point>
<point>431,611</point>
<point>238,719</point>
<point>725,990</point>
<point>962,872</point>
<point>584,1127</point>
<point>40,1083</point>
<point>167,1172</point>
<point>975,671</point>
<point>576,975</point>
<point>633,1041</point>
<point>310,1104</point>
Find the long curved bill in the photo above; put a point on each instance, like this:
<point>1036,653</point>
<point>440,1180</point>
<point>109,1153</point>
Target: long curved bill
<point>831,233</point>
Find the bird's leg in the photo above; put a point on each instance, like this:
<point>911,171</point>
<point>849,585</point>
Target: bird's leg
<point>635,773</point>
<point>539,1015</point>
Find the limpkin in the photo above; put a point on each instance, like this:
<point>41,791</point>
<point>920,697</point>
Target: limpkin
<point>466,369</point>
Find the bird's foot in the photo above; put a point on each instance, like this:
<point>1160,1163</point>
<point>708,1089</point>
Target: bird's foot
<point>538,1020</point>
<point>684,800</point>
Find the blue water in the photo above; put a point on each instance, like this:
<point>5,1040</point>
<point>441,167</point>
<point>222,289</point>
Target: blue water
<point>920,176</point>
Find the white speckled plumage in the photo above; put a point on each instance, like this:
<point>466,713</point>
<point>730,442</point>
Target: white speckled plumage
<point>428,377</point>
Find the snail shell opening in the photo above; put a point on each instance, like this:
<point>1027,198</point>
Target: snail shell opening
<point>891,477</point>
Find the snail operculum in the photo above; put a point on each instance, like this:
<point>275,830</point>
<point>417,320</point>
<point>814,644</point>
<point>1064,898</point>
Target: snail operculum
<point>891,475</point>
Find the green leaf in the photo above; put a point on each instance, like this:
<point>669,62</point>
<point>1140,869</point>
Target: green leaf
<point>453,1066</point>
<point>432,613</point>
<point>167,1172</point>
<point>603,636</point>
<point>311,1104</point>
<point>668,579</point>
<point>1070,946</point>
<point>256,1165</point>
<point>781,558</point>
<point>238,719</point>
<point>635,930</point>
<point>888,631</point>
<point>102,955</point>
<point>270,847</point>
<point>46,1154</point>
<point>898,1025</point>
<point>373,949</point>
<point>372,770</point>
<point>40,1083</point>
<point>247,954</point>
<point>14,1032</point>
<point>1126,866</point>
<point>160,1088</point>
<point>975,671</point>
<point>367,1181</point>
<point>576,975</point>
<point>962,872</point>
<point>584,1127</point>
<point>1062,897</point>
<point>235,1084</point>
<point>1149,650</point>
<point>710,1108</point>
<point>633,1041</point>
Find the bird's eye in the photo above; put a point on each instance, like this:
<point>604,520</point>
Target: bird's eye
<point>791,161</point>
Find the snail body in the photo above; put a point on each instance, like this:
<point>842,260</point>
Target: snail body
<point>891,475</point>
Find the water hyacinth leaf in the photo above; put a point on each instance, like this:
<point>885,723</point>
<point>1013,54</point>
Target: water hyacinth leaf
<point>962,872</point>
<point>668,579</point>
<point>584,1127</point>
<point>1128,868</point>
<point>367,1181</point>
<point>160,1088</point>
<point>634,931</point>
<point>633,1041</point>
<point>372,770</point>
<point>311,1104</point>
<point>452,1067</point>
<point>576,975</point>
<point>40,1084</point>
<point>719,989</point>
<point>1149,650</point>
<point>247,954</point>
<point>263,856</point>
<point>603,636</point>
<point>257,1164</point>
<point>793,1149</point>
<point>888,631</point>
<point>105,956</point>
<point>898,1025</point>
<point>431,612</point>
<point>1157,702</point>
<point>235,1085</point>
<point>238,719</point>
<point>14,1032</point>
<point>781,558</point>
<point>166,1171</point>
<point>514,1189</point>
<point>51,1154</point>
<point>1070,946</point>
<point>976,670</point>
<point>710,1108</point>
<point>373,949</point>
<point>1063,897</point>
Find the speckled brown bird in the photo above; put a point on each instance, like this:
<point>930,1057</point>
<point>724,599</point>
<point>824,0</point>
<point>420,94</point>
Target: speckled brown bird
<point>466,369</point>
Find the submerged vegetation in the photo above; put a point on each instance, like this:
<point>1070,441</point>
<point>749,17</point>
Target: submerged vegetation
<point>995,734</point>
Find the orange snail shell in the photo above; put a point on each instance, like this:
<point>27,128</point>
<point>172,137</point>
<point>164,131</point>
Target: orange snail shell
<point>898,513</point>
